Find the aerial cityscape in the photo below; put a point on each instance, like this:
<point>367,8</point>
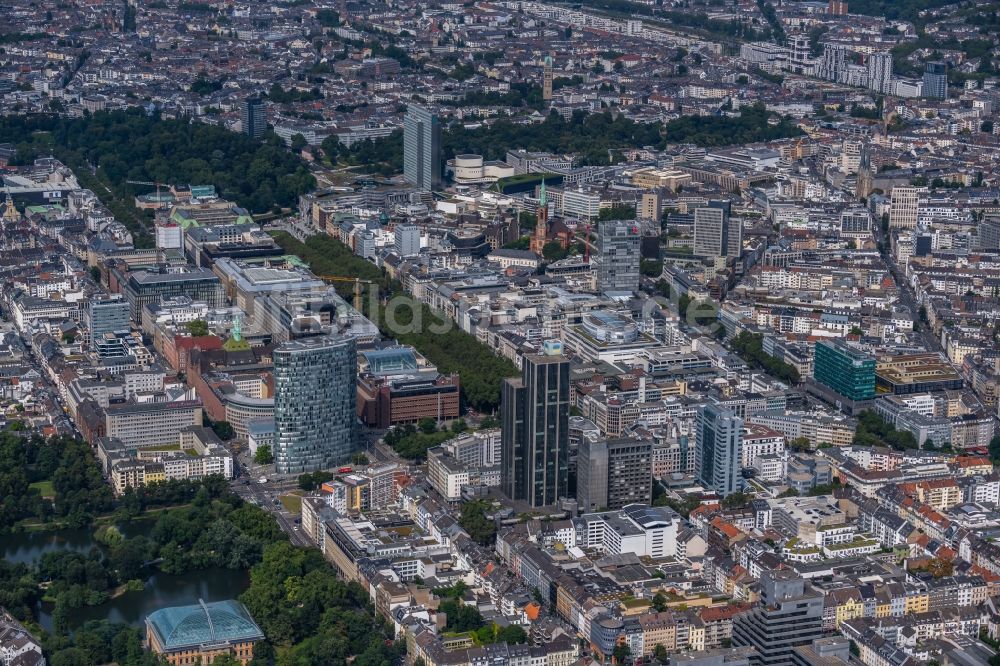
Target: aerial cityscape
<point>500,333</point>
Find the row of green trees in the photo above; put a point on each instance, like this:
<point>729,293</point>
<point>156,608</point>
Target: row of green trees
<point>594,137</point>
<point>750,127</point>
<point>17,37</point>
<point>328,256</point>
<point>750,348</point>
<point>771,16</point>
<point>688,18</point>
<point>527,95</point>
<point>908,10</point>
<point>453,351</point>
<point>873,430</point>
<point>413,323</point>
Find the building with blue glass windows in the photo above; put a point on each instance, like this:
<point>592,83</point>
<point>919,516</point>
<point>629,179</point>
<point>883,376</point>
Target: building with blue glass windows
<point>422,148</point>
<point>314,403</point>
<point>848,371</point>
<point>718,465</point>
<point>106,315</point>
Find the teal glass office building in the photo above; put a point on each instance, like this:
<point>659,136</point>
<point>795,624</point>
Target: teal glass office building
<point>314,403</point>
<point>848,371</point>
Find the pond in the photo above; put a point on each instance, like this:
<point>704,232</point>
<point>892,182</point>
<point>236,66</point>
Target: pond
<point>161,590</point>
<point>131,607</point>
<point>29,546</point>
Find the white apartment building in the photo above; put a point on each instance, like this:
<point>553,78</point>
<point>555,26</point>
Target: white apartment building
<point>643,530</point>
<point>758,440</point>
<point>151,424</point>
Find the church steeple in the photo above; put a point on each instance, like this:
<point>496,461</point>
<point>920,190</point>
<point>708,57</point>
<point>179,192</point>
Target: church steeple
<point>865,182</point>
<point>10,214</point>
<point>541,222</point>
<point>236,342</point>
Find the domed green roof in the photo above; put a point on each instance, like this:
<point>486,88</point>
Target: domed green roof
<point>203,623</point>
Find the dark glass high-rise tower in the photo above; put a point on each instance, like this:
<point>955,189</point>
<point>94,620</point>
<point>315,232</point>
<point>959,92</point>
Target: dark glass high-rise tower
<point>252,118</point>
<point>535,429</point>
<point>936,80</point>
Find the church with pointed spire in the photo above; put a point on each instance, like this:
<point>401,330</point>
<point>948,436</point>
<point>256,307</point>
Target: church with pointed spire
<point>548,228</point>
<point>866,182</point>
<point>236,343</point>
<point>541,234</point>
<point>9,215</point>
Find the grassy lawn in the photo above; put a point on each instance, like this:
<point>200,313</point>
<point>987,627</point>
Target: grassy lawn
<point>45,488</point>
<point>164,447</point>
<point>292,502</point>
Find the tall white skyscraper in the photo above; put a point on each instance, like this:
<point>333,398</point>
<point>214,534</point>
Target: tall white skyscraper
<point>850,156</point>
<point>833,66</point>
<point>799,59</point>
<point>880,72</point>
<point>422,148</point>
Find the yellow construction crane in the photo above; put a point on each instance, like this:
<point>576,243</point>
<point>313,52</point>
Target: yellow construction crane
<point>357,286</point>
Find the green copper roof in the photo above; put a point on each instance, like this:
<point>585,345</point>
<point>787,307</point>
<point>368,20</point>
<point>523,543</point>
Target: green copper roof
<point>233,345</point>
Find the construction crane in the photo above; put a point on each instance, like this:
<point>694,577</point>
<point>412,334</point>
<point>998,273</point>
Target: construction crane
<point>155,184</point>
<point>357,286</point>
